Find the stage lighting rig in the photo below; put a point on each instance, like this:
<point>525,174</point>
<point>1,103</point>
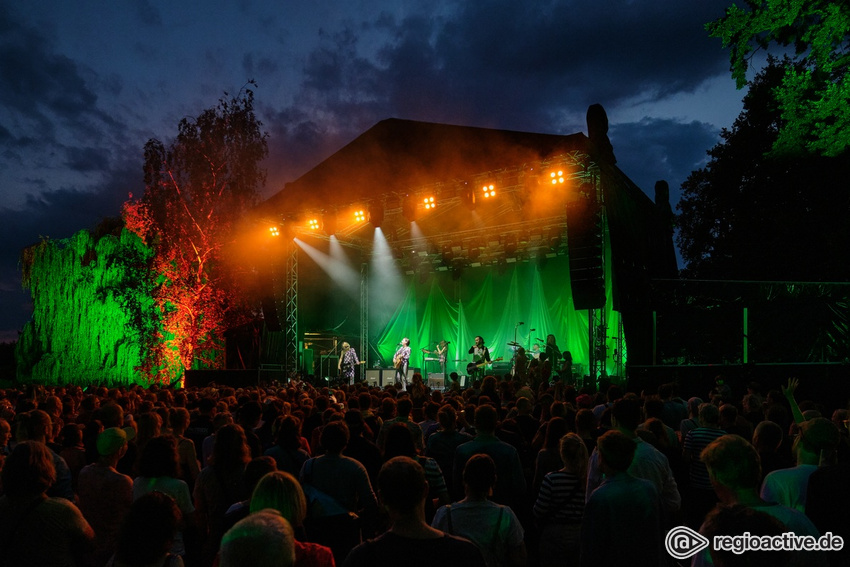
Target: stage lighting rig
<point>557,177</point>
<point>489,190</point>
<point>429,203</point>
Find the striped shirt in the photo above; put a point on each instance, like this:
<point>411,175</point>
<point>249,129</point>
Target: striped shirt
<point>561,498</point>
<point>695,441</point>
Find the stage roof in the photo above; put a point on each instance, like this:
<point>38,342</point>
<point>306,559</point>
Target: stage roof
<point>396,156</point>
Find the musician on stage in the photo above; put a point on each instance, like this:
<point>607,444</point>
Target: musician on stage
<point>401,361</point>
<point>348,361</point>
<point>553,353</point>
<point>480,355</point>
<point>520,368</point>
<point>441,351</point>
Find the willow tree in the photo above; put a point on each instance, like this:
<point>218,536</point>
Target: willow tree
<point>196,190</point>
<point>93,318</point>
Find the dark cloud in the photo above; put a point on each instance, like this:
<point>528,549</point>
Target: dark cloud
<point>35,81</point>
<point>148,14</point>
<point>87,159</point>
<point>655,149</point>
<point>259,66</point>
<point>523,66</point>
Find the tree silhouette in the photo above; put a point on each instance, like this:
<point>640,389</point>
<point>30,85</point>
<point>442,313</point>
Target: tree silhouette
<point>751,216</point>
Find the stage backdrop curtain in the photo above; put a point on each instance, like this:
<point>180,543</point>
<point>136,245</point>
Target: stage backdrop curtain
<point>491,303</point>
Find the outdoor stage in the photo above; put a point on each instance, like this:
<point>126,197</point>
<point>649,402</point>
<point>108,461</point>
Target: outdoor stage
<point>436,232</point>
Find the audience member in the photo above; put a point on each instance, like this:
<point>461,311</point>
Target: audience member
<point>36,529</point>
<point>767,439</point>
<point>410,541</point>
<point>443,442</point>
<point>403,408</point>
<point>700,496</point>
<point>287,451</point>
<point>560,504</point>
<point>510,479</point>
<point>359,447</point>
<point>647,463</point>
<point>623,515</point>
<point>220,484</point>
<point>40,428</point>
<point>105,495</point>
<point>494,528</point>
<point>789,486</point>
<point>280,491</point>
<point>734,472</point>
<point>734,521</point>
<point>146,535</point>
<point>263,539</point>
<point>187,454</point>
<point>399,443</point>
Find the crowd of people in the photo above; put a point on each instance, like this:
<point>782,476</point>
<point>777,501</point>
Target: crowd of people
<point>495,475</point>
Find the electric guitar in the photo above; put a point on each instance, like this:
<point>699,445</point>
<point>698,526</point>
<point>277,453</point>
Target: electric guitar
<point>348,366</point>
<point>473,366</point>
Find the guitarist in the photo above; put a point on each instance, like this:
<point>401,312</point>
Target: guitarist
<point>401,361</point>
<point>480,354</point>
<point>347,362</point>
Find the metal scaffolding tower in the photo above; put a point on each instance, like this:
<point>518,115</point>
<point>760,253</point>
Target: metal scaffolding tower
<point>364,318</point>
<point>290,325</point>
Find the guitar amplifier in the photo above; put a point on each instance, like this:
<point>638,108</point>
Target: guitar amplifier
<point>436,381</point>
<point>373,377</point>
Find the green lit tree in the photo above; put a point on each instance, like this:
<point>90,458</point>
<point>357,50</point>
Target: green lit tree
<point>196,190</point>
<point>93,313</point>
<point>752,216</point>
<point>814,95</point>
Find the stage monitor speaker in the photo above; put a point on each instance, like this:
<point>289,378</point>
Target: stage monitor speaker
<point>373,377</point>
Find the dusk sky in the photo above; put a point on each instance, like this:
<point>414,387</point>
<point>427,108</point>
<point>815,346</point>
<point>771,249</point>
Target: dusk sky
<point>84,84</point>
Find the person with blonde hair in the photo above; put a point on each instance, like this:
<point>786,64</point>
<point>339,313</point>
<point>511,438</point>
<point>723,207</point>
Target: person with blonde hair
<point>560,503</point>
<point>280,491</point>
<point>263,539</point>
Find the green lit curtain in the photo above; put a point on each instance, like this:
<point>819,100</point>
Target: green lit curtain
<point>490,302</point>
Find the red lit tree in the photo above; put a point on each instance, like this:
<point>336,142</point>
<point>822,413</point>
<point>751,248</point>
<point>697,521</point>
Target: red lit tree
<point>196,190</point>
